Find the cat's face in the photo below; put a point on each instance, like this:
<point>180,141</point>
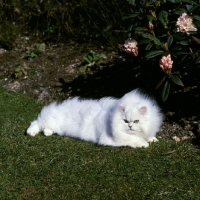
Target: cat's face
<point>133,119</point>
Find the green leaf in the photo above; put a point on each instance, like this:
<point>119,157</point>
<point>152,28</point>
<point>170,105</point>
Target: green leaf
<point>179,1</point>
<point>18,69</point>
<point>148,47</point>
<point>197,24</point>
<point>163,17</point>
<point>176,48</point>
<point>132,2</point>
<point>163,35</point>
<point>193,8</point>
<point>172,1</point>
<point>165,91</point>
<point>140,29</point>
<point>102,55</point>
<point>143,41</point>
<point>179,11</point>
<point>160,82</point>
<point>83,69</point>
<point>187,1</point>
<point>37,46</point>
<point>92,54</point>
<point>24,72</point>
<point>184,42</point>
<point>132,15</point>
<point>197,17</point>
<point>152,38</point>
<point>32,55</point>
<point>130,28</point>
<point>150,18</point>
<point>176,80</point>
<point>95,57</point>
<point>98,62</point>
<point>182,53</point>
<point>90,58</point>
<point>189,6</point>
<point>176,72</point>
<point>86,59</point>
<point>169,40</point>
<point>152,54</point>
<point>177,36</point>
<point>197,60</point>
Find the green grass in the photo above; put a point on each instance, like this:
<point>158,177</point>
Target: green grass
<point>64,168</point>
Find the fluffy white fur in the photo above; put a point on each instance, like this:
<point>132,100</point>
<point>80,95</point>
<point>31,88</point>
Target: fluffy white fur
<point>131,121</point>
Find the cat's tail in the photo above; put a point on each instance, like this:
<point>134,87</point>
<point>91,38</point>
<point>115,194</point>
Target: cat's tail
<point>33,129</point>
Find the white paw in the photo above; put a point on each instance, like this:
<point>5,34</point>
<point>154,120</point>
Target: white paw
<point>140,144</point>
<point>143,144</point>
<point>152,139</point>
<point>48,132</point>
<point>33,129</point>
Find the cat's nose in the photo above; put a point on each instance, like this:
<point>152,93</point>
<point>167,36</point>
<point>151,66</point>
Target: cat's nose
<point>129,126</point>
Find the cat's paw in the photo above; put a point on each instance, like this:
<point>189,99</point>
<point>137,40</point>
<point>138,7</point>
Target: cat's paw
<point>143,144</point>
<point>152,139</point>
<point>140,144</point>
<point>48,132</point>
<point>33,129</point>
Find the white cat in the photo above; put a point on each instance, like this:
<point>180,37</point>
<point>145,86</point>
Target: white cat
<point>131,121</point>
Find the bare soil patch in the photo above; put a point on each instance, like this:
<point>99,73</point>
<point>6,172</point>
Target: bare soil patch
<point>56,75</point>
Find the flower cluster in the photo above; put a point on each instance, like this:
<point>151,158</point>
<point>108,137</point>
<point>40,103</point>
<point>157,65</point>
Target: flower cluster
<point>131,46</point>
<point>185,24</point>
<point>166,64</point>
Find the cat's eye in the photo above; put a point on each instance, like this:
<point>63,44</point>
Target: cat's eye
<point>126,121</point>
<point>135,121</point>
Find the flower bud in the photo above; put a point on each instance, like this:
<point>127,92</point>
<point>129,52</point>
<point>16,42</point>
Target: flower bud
<point>165,46</point>
<point>166,64</point>
<point>151,26</point>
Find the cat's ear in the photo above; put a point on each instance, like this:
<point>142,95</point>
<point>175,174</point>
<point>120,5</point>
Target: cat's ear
<point>143,110</point>
<point>121,108</point>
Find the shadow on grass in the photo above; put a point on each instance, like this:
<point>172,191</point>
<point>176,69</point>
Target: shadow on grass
<point>113,80</point>
<point>120,78</point>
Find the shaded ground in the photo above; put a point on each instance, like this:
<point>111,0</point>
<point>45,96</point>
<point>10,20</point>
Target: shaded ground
<point>55,75</point>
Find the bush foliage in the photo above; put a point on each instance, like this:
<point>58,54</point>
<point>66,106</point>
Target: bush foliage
<point>153,24</point>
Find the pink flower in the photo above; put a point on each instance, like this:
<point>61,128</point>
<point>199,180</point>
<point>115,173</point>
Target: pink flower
<point>131,46</point>
<point>185,24</point>
<point>166,64</point>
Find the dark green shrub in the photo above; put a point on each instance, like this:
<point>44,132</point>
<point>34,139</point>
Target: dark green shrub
<point>158,32</point>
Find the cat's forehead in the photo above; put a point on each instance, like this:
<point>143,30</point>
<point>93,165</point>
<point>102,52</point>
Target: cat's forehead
<point>132,112</point>
<point>131,109</point>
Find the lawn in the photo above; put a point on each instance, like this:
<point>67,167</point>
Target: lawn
<point>64,168</point>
